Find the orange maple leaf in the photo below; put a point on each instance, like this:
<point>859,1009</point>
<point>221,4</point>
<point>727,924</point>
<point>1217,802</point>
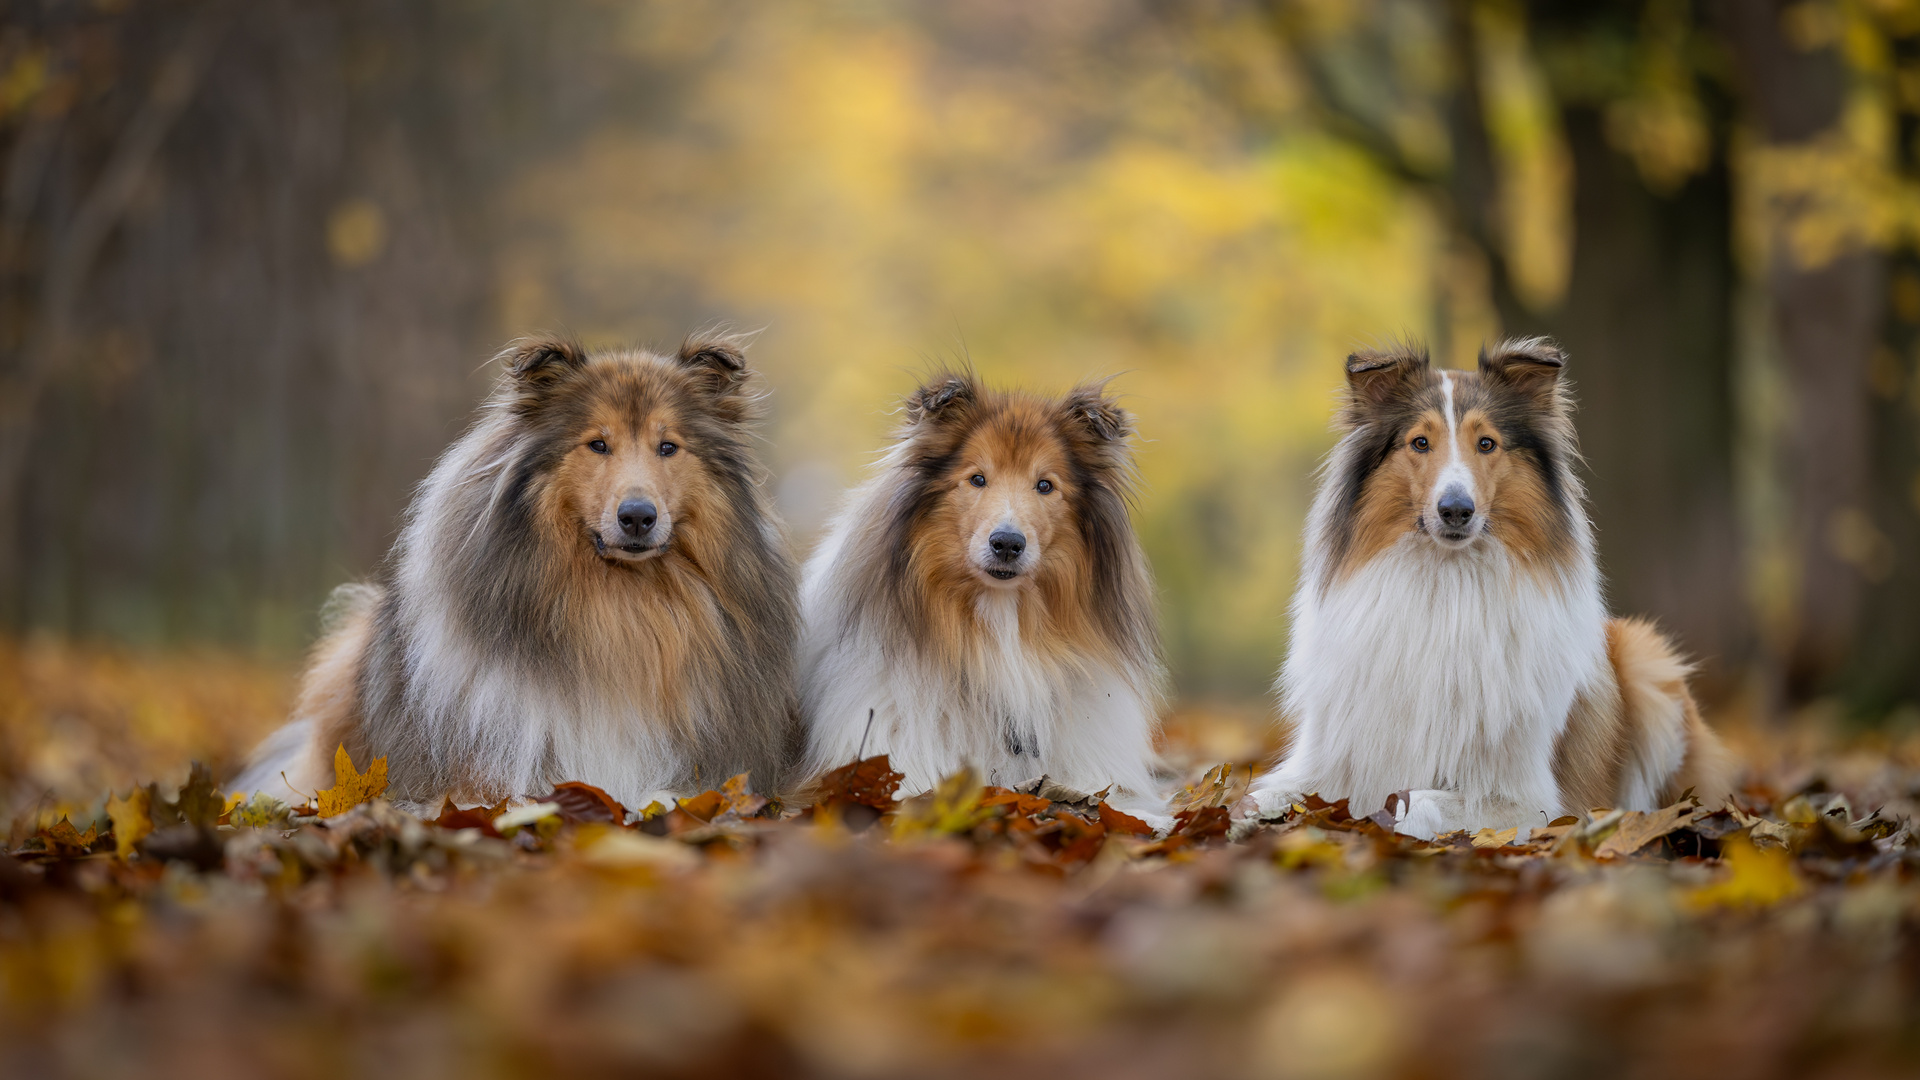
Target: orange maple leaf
<point>351,787</point>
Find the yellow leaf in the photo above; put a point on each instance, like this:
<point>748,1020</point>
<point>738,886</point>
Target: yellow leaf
<point>350,787</point>
<point>1492,838</point>
<point>1757,878</point>
<point>954,807</point>
<point>132,819</point>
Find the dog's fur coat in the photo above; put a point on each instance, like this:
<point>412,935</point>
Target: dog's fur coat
<point>1449,636</point>
<point>522,632</point>
<point>922,643</point>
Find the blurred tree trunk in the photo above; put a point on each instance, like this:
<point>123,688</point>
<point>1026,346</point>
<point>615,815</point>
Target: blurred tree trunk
<point>1648,320</point>
<point>1826,320</point>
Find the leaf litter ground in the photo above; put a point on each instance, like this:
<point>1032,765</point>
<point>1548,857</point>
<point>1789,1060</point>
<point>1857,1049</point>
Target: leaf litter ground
<point>176,930</point>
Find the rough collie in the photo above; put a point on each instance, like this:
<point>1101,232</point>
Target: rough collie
<point>982,601</point>
<point>1449,636</point>
<point>588,586</point>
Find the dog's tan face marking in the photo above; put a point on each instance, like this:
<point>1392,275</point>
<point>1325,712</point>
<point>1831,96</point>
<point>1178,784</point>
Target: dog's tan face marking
<point>1006,499</point>
<point>629,478</point>
<point>1456,458</point>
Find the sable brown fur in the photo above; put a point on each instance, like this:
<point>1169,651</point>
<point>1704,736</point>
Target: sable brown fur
<point>507,644</point>
<point>1056,672</point>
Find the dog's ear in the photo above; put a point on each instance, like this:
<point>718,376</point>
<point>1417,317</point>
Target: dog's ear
<point>1377,378</point>
<point>1531,366</point>
<point>941,399</point>
<point>719,364</point>
<point>538,364</point>
<point>1089,409</point>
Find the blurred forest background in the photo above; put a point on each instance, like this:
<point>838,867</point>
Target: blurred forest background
<point>253,255</point>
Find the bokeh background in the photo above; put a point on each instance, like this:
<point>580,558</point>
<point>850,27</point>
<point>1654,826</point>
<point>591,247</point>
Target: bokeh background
<point>254,255</point>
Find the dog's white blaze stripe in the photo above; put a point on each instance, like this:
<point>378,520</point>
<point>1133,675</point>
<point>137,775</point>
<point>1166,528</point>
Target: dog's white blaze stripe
<point>1456,471</point>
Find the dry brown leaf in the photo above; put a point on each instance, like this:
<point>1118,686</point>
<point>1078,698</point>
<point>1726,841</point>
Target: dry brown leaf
<point>1117,821</point>
<point>585,803</point>
<point>871,782</point>
<point>741,800</point>
<point>1638,829</point>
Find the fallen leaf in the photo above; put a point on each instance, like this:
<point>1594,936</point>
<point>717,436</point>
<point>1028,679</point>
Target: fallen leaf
<point>521,816</point>
<point>1491,838</point>
<point>64,841</point>
<point>1120,822</point>
<point>952,807</point>
<point>1757,877</point>
<point>351,787</point>
<point>132,820</point>
<point>703,807</point>
<point>1223,785</point>
<point>1015,802</point>
<point>478,817</point>
<point>201,802</point>
<point>580,802</point>
<point>741,801</point>
<point>1637,829</point>
<point>871,782</point>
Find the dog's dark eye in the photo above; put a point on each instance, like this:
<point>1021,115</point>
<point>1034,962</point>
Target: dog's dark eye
<point>1420,444</point>
<point>667,449</point>
<point>1044,486</point>
<point>598,446</point>
<point>977,480</point>
<point>1486,446</point>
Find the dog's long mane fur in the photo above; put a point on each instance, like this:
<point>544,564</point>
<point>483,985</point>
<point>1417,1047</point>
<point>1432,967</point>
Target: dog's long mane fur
<point>1062,678</point>
<point>497,653</point>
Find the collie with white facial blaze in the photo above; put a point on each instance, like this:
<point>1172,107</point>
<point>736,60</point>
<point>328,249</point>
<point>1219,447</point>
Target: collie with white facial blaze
<point>982,601</point>
<point>589,586</point>
<point>1449,635</point>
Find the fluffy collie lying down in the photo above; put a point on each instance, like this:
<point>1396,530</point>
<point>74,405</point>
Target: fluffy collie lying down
<point>1449,635</point>
<point>983,601</point>
<point>589,586</point>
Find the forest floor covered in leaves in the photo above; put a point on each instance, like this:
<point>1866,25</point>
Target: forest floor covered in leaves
<point>151,924</point>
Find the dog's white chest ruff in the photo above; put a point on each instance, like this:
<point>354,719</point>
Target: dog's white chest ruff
<point>1449,673</point>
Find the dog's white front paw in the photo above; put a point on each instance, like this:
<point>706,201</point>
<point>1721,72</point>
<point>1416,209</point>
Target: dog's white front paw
<point>1428,812</point>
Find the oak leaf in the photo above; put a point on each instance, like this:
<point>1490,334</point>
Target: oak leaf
<point>350,786</point>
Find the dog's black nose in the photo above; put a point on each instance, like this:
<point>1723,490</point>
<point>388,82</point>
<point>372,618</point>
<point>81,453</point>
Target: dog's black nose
<point>1007,544</point>
<point>1456,507</point>
<point>637,517</point>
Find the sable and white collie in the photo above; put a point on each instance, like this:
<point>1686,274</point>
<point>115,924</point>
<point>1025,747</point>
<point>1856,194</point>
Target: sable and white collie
<point>982,601</point>
<point>588,586</point>
<point>1449,635</point>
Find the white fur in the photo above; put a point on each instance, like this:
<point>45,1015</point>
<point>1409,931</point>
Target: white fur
<point>1085,725</point>
<point>1446,671</point>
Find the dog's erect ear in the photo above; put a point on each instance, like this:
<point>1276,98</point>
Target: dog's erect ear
<point>1529,365</point>
<point>539,364</point>
<point>1088,408</point>
<point>1376,378</point>
<point>722,359</point>
<point>941,399</point>
<point>719,364</point>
